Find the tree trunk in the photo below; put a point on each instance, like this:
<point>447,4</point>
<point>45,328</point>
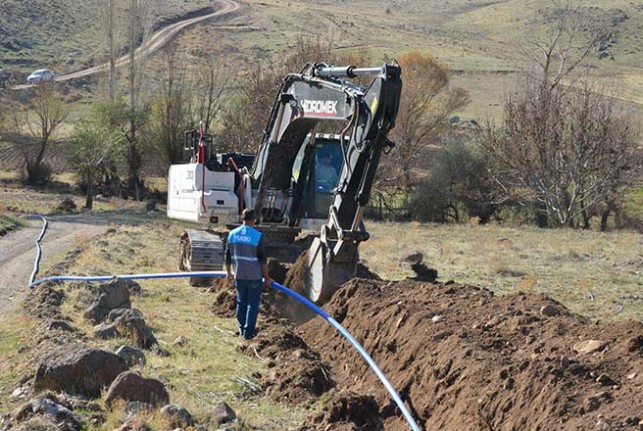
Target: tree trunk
<point>605,215</point>
<point>112,63</point>
<point>541,216</point>
<point>89,201</point>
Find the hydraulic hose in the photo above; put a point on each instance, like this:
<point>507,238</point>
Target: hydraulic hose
<point>369,360</point>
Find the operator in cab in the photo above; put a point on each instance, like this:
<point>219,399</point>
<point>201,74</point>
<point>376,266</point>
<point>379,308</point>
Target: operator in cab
<point>326,175</point>
<point>244,250</point>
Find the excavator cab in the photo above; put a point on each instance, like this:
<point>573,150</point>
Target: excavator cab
<point>315,175</point>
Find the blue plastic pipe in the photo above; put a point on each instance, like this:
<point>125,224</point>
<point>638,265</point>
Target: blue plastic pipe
<point>130,276</point>
<point>36,262</point>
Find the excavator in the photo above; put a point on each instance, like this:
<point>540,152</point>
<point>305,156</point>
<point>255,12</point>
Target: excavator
<point>302,178</point>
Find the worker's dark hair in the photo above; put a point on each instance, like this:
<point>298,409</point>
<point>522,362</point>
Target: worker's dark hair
<point>248,214</point>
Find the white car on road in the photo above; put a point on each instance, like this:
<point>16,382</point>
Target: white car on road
<point>41,75</point>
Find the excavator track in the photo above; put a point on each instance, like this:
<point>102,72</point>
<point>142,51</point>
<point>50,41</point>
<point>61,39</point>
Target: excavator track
<point>200,251</point>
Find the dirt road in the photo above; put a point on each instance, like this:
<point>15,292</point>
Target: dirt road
<point>152,44</point>
<point>17,252</point>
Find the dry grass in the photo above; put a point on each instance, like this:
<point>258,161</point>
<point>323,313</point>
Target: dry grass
<point>593,273</point>
<point>201,373</point>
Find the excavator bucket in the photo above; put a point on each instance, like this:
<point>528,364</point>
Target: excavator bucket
<point>325,276</point>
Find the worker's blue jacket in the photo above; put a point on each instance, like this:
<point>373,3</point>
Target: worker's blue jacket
<point>244,250</point>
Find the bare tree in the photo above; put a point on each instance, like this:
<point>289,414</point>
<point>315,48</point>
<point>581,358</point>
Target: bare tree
<point>248,110</point>
<point>48,113</point>
<point>210,86</point>
<point>139,29</point>
<point>171,113</point>
<point>563,141</point>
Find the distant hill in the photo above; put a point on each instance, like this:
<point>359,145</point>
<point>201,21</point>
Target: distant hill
<point>67,35</point>
<point>478,39</point>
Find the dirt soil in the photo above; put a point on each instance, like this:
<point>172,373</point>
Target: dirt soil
<point>18,251</point>
<point>460,357</point>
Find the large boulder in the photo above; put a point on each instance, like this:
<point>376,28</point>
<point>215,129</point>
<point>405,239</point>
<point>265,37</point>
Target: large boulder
<point>130,386</point>
<point>115,294</point>
<point>75,368</point>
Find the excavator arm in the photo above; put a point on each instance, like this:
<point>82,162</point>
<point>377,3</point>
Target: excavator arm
<point>321,95</point>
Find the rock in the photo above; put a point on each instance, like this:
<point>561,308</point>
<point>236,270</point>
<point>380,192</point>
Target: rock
<point>412,258</point>
<point>180,341</point>
<point>47,406</point>
<point>437,318</point>
<point>564,361</point>
<point>131,408</point>
<point>130,386</point>
<point>549,311</point>
<point>131,355</point>
<point>177,416</point>
<point>423,272</point>
<point>105,331</point>
<point>117,313</point>
<point>631,376</point>
<point>18,393</point>
<point>589,346</point>
<point>60,325</point>
<point>136,330</point>
<point>114,294</point>
<point>62,415</point>
<point>78,369</point>
<point>223,413</point>
<point>605,380</point>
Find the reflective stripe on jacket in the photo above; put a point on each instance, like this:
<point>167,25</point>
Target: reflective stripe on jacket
<point>244,250</point>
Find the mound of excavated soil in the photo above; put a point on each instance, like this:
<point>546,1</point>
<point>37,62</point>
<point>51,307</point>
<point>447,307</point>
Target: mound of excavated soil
<point>463,359</point>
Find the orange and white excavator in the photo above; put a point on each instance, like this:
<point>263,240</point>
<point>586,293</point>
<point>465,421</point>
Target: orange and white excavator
<point>300,178</point>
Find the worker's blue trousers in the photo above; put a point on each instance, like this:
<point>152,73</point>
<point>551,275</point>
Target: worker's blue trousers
<point>248,298</point>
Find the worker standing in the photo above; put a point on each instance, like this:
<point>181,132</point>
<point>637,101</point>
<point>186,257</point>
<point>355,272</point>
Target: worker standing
<point>245,251</point>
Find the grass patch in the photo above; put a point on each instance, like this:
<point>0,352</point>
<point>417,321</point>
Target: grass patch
<point>593,273</point>
<point>203,372</point>
<point>7,222</point>
<point>14,332</point>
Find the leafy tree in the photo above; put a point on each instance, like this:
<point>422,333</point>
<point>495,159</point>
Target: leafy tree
<point>427,101</point>
<point>96,141</point>
<point>460,179</point>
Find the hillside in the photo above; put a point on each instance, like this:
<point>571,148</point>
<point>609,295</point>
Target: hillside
<point>68,35</point>
<point>479,39</point>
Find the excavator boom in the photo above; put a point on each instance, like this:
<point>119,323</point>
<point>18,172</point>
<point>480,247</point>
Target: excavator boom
<point>305,101</point>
